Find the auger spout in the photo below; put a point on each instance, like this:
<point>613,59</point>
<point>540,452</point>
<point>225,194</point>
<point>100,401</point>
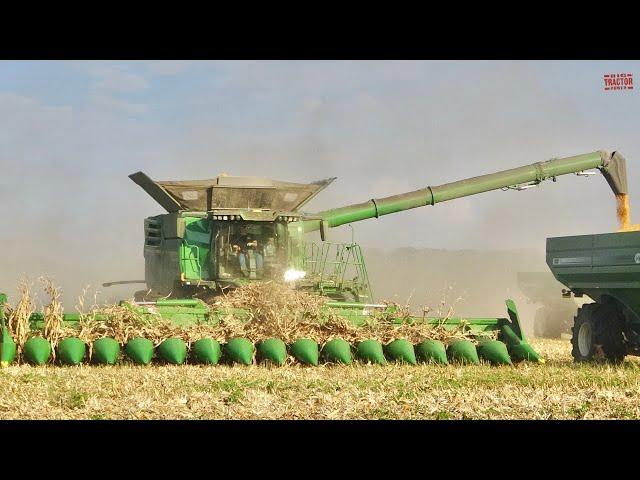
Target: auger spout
<point>611,165</point>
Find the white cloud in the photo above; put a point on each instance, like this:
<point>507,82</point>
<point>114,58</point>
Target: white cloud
<point>116,78</point>
<point>112,104</point>
<point>168,67</point>
<point>111,83</point>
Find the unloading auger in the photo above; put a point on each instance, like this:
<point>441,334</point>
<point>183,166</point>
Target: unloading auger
<point>611,165</point>
<point>225,232</point>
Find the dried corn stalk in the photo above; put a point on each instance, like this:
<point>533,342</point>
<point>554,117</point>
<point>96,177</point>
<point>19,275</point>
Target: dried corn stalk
<point>256,311</point>
<point>18,317</point>
<point>53,324</point>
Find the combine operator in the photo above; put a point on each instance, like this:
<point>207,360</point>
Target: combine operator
<point>242,245</point>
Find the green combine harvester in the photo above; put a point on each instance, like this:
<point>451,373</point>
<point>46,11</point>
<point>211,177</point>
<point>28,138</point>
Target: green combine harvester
<point>226,232</point>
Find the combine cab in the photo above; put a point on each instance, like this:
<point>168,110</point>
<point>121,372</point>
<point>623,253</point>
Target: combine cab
<point>221,233</point>
<point>226,232</point>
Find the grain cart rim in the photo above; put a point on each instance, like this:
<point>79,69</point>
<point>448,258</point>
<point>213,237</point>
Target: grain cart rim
<point>583,332</point>
<point>585,338</point>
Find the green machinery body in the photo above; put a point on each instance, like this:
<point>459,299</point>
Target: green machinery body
<point>191,247</point>
<point>606,268</point>
<point>223,232</point>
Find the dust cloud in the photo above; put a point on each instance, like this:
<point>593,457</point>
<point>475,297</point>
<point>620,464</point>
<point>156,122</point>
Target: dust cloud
<point>475,283</point>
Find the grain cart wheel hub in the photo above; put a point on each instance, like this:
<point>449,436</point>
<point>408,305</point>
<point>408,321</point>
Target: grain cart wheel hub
<point>585,339</point>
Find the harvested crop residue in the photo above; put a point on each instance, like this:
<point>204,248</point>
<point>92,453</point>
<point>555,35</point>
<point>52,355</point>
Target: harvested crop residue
<point>276,310</point>
<point>256,311</point>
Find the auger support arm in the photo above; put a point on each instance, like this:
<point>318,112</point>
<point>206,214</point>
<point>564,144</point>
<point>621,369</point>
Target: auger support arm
<point>612,166</point>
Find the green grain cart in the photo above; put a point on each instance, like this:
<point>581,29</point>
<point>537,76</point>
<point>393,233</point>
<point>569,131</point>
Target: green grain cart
<point>221,233</point>
<point>606,268</point>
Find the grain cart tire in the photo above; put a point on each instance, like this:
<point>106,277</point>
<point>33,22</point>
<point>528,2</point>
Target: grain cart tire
<point>598,333</point>
<point>583,338</point>
<point>610,332</point>
<point>613,343</point>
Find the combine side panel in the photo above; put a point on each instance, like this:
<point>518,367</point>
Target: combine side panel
<point>195,258</point>
<point>162,241</point>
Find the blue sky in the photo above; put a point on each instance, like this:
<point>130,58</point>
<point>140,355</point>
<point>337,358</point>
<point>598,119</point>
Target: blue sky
<point>71,132</point>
